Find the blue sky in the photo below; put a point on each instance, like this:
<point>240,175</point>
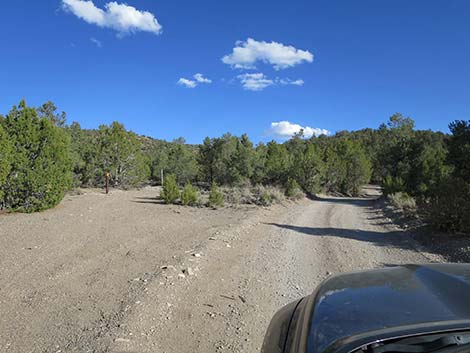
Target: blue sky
<point>369,59</point>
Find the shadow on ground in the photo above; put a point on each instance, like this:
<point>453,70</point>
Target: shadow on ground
<point>390,239</point>
<point>152,200</point>
<point>398,239</point>
<point>355,201</point>
<point>451,247</point>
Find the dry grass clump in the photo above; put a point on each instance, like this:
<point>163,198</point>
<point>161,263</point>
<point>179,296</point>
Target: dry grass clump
<point>403,202</point>
<point>259,195</point>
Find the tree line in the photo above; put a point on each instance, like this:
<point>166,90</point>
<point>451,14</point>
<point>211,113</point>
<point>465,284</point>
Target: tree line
<point>41,157</point>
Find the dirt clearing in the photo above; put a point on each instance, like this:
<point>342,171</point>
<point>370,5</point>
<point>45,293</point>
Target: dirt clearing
<point>123,273</point>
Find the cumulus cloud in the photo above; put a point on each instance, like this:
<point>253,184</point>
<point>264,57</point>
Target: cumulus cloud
<point>122,18</point>
<point>246,54</point>
<point>96,42</point>
<point>255,82</point>
<point>297,82</point>
<point>186,83</point>
<point>198,79</point>
<point>285,129</point>
<point>201,79</point>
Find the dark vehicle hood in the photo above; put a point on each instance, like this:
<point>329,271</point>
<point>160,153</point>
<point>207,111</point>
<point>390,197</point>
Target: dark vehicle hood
<point>354,309</point>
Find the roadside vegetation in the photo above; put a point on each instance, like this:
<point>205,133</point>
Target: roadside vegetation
<point>423,172</point>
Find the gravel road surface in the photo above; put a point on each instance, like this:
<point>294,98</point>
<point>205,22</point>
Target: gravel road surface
<point>123,273</point>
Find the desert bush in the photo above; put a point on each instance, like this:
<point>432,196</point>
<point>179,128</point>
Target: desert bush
<point>260,195</point>
<point>293,190</point>
<point>265,199</point>
<point>216,198</point>
<point>403,202</point>
<point>238,195</point>
<point>170,191</point>
<point>189,195</point>
<point>392,185</point>
<point>276,194</point>
<point>267,195</point>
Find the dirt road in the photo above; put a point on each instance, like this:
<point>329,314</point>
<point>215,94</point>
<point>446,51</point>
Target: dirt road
<point>123,273</point>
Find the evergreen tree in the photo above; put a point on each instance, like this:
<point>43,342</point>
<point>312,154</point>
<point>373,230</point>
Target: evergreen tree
<point>259,160</point>
<point>358,168</point>
<point>218,160</point>
<point>170,190</point>
<point>459,149</point>
<point>311,169</point>
<point>189,195</point>
<point>49,111</point>
<point>157,159</point>
<point>84,153</point>
<point>5,161</point>
<point>206,160</point>
<point>243,160</point>
<point>119,153</point>
<point>216,198</point>
<point>41,168</point>
<point>347,166</point>
<point>181,161</point>
<point>277,164</point>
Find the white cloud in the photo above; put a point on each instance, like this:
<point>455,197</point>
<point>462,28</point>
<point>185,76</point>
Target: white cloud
<point>259,81</point>
<point>255,82</point>
<point>201,79</point>
<point>186,83</point>
<point>96,42</point>
<point>246,54</point>
<point>288,81</point>
<point>122,18</point>
<point>298,82</point>
<point>286,129</point>
<point>198,79</point>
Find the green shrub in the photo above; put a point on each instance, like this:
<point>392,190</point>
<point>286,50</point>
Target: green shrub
<point>189,195</point>
<point>449,209</point>
<point>41,169</point>
<point>170,190</point>
<point>293,190</point>
<point>392,185</point>
<point>216,198</point>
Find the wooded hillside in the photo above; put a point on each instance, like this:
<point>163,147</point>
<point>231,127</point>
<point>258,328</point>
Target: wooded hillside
<point>41,157</point>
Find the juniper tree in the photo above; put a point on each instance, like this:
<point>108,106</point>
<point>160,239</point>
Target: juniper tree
<point>5,160</point>
<point>41,165</point>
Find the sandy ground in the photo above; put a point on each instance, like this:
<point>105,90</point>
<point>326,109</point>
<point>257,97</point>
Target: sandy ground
<point>122,273</point>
